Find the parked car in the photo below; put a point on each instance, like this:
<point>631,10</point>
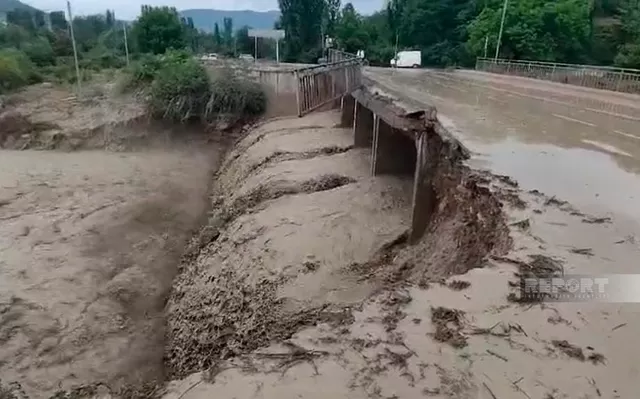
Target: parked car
<point>246,57</point>
<point>407,59</point>
<point>210,57</point>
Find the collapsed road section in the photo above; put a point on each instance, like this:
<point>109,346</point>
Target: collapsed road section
<point>303,233</point>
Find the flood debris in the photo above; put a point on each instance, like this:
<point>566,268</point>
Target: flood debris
<point>596,358</point>
<point>524,224</point>
<point>630,239</point>
<point>596,220</point>
<point>555,202</point>
<point>570,350</point>
<point>238,316</point>
<point>512,198</point>
<point>582,251</point>
<point>12,390</point>
<point>499,356</point>
<point>539,266</point>
<point>449,325</point>
<point>459,285</point>
<point>618,326</point>
<point>577,353</point>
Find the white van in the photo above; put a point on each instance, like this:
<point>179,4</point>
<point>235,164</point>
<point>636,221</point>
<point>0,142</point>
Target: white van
<point>407,59</point>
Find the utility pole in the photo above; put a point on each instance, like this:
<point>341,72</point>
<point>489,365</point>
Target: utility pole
<point>504,14</point>
<point>395,57</point>
<point>486,45</point>
<point>75,49</point>
<point>126,42</point>
<point>124,28</point>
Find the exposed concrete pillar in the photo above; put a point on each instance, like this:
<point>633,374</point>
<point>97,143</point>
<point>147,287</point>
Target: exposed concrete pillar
<point>374,143</point>
<point>424,196</point>
<point>348,110</point>
<point>395,153</point>
<point>363,126</point>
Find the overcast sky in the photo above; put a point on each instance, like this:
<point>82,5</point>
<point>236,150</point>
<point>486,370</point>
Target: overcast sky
<point>129,9</point>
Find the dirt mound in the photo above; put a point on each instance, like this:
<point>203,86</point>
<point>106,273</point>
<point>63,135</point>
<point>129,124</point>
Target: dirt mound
<point>17,130</point>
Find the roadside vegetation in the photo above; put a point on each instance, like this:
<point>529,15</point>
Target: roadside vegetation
<point>455,32</point>
<point>163,67</point>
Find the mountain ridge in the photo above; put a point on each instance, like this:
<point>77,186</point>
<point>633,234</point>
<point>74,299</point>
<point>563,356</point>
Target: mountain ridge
<point>205,19</point>
<point>10,5</point>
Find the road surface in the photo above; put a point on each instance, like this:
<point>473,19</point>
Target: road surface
<point>580,144</point>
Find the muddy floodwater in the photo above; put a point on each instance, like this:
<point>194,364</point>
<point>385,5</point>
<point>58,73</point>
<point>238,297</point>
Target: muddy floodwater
<point>175,265</point>
<point>89,246</point>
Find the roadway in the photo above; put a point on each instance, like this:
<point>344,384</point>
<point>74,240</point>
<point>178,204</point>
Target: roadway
<point>580,144</point>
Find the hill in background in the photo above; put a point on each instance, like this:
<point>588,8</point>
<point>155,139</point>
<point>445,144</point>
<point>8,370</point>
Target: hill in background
<point>206,19</point>
<point>10,5</point>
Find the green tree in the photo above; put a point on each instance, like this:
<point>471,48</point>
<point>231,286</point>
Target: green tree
<point>302,21</point>
<point>87,30</point>
<point>244,44</point>
<point>39,51</point>
<point>159,29</point>
<point>629,55</point>
<point>22,18</point>
<point>110,18</point>
<point>217,38</point>
<point>227,35</point>
<point>332,16</point>
<point>535,29</point>
<point>351,34</point>
<point>58,20</point>
<point>13,36</point>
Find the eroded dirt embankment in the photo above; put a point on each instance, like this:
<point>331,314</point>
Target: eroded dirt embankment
<point>302,235</point>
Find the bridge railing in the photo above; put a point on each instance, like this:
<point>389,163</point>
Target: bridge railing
<point>599,77</point>
<point>301,90</point>
<point>334,56</point>
<point>322,84</point>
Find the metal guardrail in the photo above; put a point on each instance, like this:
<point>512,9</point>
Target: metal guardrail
<point>599,77</point>
<point>334,56</point>
<point>321,84</point>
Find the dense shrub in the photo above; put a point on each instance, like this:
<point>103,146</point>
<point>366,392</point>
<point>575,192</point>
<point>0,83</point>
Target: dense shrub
<point>103,58</point>
<point>180,90</point>
<point>39,51</point>
<point>11,77</point>
<point>235,96</point>
<point>64,72</point>
<point>140,73</point>
<point>16,70</point>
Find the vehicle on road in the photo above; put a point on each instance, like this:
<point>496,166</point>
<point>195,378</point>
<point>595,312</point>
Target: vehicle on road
<point>210,57</point>
<point>407,59</point>
<point>246,57</point>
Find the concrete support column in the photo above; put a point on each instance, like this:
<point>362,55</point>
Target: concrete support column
<point>395,153</point>
<point>348,111</point>
<point>424,196</point>
<point>374,143</point>
<point>363,126</point>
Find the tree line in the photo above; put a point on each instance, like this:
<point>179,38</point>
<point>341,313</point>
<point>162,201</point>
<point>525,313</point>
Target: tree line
<point>35,46</point>
<point>456,32</point>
